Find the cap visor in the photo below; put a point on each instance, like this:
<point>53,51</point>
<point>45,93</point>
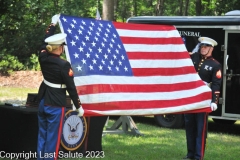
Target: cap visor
<point>205,44</point>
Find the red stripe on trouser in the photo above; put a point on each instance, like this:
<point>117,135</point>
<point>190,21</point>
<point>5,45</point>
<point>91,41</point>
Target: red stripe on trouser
<point>204,137</point>
<point>86,138</point>
<point>59,133</point>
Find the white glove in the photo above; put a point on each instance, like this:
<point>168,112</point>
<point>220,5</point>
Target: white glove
<point>55,19</point>
<point>196,48</point>
<point>80,111</point>
<point>213,106</point>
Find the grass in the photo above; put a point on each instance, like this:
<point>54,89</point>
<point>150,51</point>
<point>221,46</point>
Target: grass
<point>169,144</point>
<point>157,143</point>
<point>15,95</point>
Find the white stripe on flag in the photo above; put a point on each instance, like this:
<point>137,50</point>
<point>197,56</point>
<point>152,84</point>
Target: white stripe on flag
<point>100,79</point>
<point>111,97</point>
<point>173,109</point>
<point>147,34</point>
<point>155,48</point>
<point>160,63</point>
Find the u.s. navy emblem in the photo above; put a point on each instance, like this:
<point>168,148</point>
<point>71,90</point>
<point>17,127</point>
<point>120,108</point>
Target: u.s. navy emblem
<point>74,131</point>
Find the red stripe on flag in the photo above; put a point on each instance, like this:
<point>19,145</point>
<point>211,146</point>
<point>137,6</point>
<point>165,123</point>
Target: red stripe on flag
<point>158,55</point>
<point>134,88</point>
<point>163,71</point>
<point>207,110</point>
<point>157,40</point>
<point>152,104</point>
<point>143,27</point>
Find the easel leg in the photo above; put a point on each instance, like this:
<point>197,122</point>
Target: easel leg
<point>126,122</point>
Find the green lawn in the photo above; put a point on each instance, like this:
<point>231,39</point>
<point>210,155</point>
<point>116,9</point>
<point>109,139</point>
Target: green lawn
<point>169,144</point>
<point>15,95</point>
<point>157,143</point>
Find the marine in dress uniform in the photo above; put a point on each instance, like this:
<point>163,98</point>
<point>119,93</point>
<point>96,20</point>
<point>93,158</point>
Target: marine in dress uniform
<point>58,78</point>
<point>209,71</point>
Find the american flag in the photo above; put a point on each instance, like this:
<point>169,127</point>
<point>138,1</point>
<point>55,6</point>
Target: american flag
<point>132,69</point>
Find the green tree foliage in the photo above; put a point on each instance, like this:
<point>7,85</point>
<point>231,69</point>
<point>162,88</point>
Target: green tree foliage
<point>23,22</point>
<point>223,6</point>
<point>9,63</point>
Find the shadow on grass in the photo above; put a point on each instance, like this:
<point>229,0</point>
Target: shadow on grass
<point>212,126</point>
<point>224,128</point>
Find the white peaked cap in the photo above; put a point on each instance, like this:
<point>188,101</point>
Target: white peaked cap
<point>56,39</point>
<point>233,13</point>
<point>206,40</point>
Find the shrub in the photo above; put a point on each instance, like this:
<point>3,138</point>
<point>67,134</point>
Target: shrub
<point>33,63</point>
<point>9,63</point>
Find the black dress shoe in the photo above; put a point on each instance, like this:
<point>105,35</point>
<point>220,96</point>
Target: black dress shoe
<point>188,158</point>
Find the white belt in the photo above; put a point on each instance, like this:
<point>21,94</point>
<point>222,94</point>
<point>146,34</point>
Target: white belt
<point>54,85</point>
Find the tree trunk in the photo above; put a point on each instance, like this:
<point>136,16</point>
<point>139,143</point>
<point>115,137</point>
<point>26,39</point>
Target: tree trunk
<point>135,7</point>
<point>108,10</point>
<point>186,8</point>
<point>116,9</point>
<point>209,10</point>
<point>198,7</point>
<point>123,10</point>
<point>180,7</point>
<point>159,7</point>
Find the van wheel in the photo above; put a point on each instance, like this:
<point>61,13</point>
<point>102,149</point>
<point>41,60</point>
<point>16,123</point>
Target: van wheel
<point>170,120</point>
<point>223,121</point>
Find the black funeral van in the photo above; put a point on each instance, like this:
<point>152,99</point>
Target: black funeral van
<point>226,31</point>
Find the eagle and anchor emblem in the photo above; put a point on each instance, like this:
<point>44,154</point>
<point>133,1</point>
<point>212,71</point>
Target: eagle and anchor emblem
<point>73,124</point>
<point>74,131</point>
